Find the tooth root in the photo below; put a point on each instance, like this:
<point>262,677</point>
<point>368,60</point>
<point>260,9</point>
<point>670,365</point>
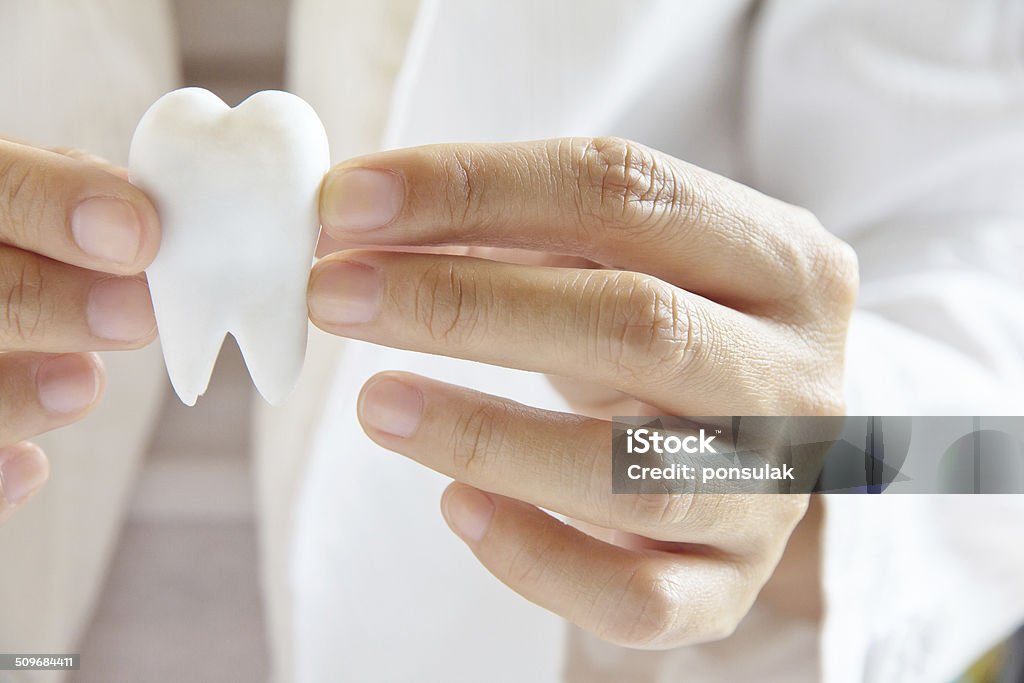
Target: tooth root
<point>189,335</point>
<point>274,361</point>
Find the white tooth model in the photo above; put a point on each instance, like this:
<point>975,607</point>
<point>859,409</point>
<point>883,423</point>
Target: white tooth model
<point>236,190</point>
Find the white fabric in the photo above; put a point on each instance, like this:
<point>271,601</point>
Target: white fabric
<point>902,126</point>
<point>899,124</point>
<point>378,580</point>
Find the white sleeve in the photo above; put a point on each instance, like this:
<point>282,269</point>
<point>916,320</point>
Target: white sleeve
<point>902,126</point>
<point>939,326</point>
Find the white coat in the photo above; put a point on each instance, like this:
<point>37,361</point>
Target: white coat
<point>901,125</point>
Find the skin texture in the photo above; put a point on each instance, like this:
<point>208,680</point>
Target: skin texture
<point>645,285</point>
<point>642,285</point>
<point>59,301</point>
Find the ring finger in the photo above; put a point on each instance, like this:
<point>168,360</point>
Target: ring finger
<point>661,344</point>
<point>553,460</point>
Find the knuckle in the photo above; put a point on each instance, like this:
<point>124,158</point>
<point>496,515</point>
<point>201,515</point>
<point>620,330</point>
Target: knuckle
<point>461,192</point>
<point>23,298</point>
<point>792,507</point>
<point>717,628</point>
<point>527,566</point>
<point>672,612</point>
<point>642,325</point>
<point>24,193</point>
<point>823,267</point>
<point>651,510</point>
<point>447,305</point>
<point>652,613</point>
<point>716,618</point>
<point>819,398</point>
<point>476,437</point>
<point>692,512</point>
<point>660,606</point>
<point>839,274</point>
<point>622,183</point>
<point>590,474</point>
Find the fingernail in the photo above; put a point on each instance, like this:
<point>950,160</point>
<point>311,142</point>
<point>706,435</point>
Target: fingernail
<point>345,293</point>
<point>22,471</point>
<point>67,384</point>
<point>469,511</point>
<point>120,309</point>
<point>392,407</point>
<point>108,229</point>
<point>362,199</point>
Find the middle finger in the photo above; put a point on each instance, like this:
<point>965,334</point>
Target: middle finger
<point>54,307</point>
<point>664,345</point>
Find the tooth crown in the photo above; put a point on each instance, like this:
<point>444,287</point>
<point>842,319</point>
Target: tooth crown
<point>237,193</point>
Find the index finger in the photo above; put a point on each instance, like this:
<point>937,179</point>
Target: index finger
<point>610,200</point>
<point>74,211</point>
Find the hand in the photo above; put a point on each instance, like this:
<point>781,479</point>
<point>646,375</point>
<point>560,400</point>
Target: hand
<point>708,299</point>
<point>73,234</point>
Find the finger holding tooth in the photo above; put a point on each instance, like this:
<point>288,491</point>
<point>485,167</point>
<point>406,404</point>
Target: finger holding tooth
<point>51,306</point>
<point>74,238</point>
<point>74,211</point>
<point>615,327</point>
